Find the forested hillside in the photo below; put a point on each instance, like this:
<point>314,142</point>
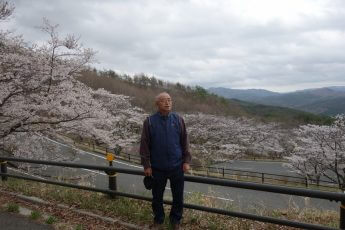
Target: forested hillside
<point>143,89</point>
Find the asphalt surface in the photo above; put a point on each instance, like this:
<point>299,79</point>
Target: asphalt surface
<point>12,221</point>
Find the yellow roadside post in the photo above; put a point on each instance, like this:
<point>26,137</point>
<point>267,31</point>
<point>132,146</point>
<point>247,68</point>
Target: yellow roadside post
<point>110,158</point>
<point>112,175</point>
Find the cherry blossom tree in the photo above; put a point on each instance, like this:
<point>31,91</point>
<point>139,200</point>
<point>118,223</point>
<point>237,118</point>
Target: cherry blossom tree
<point>39,93</point>
<point>320,152</point>
<point>6,10</point>
<point>218,138</point>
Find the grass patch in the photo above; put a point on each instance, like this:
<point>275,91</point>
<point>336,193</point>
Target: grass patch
<point>51,220</point>
<point>13,208</point>
<point>129,209</point>
<point>35,215</point>
<point>79,227</point>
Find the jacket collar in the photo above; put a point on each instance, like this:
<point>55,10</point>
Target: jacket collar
<point>163,116</point>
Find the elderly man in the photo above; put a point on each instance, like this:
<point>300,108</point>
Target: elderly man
<point>165,155</point>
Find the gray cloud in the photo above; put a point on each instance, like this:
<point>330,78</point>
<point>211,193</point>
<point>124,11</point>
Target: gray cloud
<point>276,45</point>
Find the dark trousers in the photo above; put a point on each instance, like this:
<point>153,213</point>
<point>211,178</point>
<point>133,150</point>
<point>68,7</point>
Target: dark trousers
<point>176,178</point>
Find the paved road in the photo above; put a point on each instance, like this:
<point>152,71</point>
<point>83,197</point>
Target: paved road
<point>12,221</point>
<point>238,199</point>
<point>273,167</point>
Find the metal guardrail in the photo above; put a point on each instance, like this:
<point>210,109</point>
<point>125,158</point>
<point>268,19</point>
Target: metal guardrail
<point>228,173</point>
<point>264,177</point>
<point>333,196</point>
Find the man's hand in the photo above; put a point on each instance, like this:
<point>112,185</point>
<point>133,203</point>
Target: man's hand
<point>186,167</point>
<point>148,172</point>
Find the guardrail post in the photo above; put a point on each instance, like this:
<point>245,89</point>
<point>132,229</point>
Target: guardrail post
<point>223,173</point>
<point>112,176</point>
<point>112,182</point>
<point>342,215</point>
<point>306,182</point>
<point>263,177</point>
<point>3,170</point>
<point>117,150</point>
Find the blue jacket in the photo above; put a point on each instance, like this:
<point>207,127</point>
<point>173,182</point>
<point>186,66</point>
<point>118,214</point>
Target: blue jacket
<point>164,144</point>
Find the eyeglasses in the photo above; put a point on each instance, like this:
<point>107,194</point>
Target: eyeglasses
<point>165,100</point>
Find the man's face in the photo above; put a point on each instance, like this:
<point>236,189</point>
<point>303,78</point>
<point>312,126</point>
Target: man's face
<point>164,103</point>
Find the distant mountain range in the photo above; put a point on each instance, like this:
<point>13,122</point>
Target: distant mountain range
<point>325,101</point>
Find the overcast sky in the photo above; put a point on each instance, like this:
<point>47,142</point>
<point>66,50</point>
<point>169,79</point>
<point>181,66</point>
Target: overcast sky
<point>279,45</point>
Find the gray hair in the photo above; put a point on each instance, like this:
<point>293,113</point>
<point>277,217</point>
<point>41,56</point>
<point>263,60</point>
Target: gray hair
<point>159,96</point>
